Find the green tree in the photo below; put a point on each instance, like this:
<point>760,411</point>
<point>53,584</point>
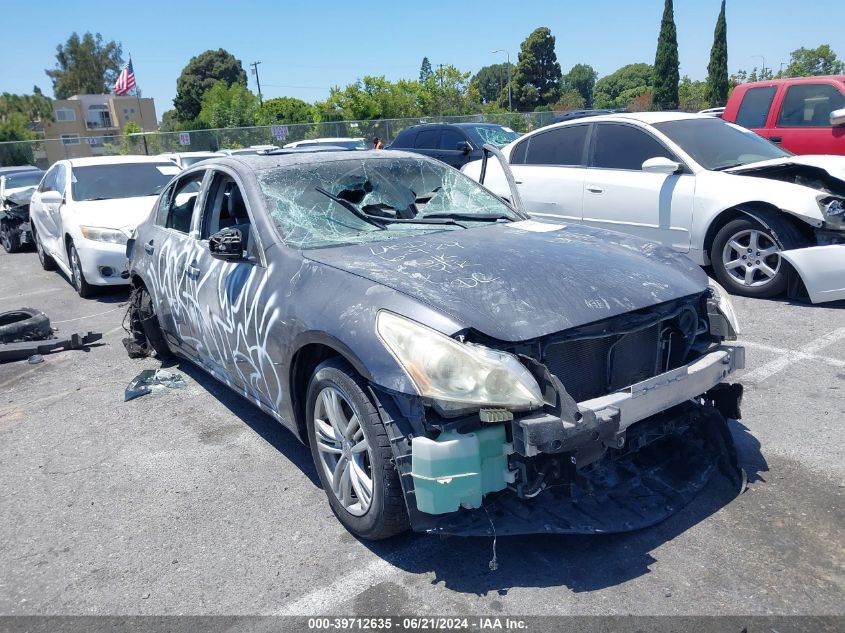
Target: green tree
<point>201,73</point>
<point>15,127</point>
<point>425,70</point>
<point>666,67</point>
<point>717,69</point>
<point>446,93</point>
<point>808,62</point>
<point>618,89</point>
<point>35,107</point>
<point>130,144</point>
<point>284,110</point>
<point>225,105</point>
<point>694,95</point>
<point>86,65</point>
<point>582,79</point>
<point>570,99</point>
<point>536,79</point>
<point>491,83</point>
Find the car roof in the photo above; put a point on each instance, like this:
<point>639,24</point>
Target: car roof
<point>792,80</point>
<point>114,160</point>
<point>305,155</point>
<point>17,168</point>
<point>648,118</point>
<point>205,153</point>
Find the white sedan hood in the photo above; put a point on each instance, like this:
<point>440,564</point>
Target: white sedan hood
<point>120,213</point>
<point>833,165</point>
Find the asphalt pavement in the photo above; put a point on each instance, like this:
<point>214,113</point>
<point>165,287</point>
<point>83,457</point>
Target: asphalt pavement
<point>194,502</point>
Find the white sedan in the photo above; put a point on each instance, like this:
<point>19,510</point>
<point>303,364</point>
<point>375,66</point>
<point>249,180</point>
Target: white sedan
<point>703,186</point>
<point>85,209</point>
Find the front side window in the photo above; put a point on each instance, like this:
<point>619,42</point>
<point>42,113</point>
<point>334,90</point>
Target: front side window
<point>405,139</point>
<point>754,108</point>
<point>121,180</point>
<point>449,139</point>
<point>182,203</point>
<point>810,105</point>
<point>625,147</point>
<point>371,200</point>
<point>561,146</point>
<point>225,207</point>
<point>717,144</point>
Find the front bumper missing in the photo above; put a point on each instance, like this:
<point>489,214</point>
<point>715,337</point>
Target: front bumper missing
<point>623,492</point>
<point>822,269</point>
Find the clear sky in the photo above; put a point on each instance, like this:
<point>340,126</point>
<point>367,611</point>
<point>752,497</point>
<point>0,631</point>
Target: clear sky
<point>307,47</point>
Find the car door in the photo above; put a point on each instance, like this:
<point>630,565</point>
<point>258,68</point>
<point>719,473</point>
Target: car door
<point>427,142</point>
<point>549,170</point>
<point>620,196</point>
<point>448,144</point>
<point>172,246</point>
<point>230,292</point>
<point>47,216</point>
<point>803,120</point>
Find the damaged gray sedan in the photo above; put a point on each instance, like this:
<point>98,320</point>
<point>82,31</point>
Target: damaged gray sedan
<point>453,365</point>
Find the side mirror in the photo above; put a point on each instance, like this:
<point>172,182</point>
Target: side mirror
<point>227,244</point>
<point>464,146</point>
<point>661,165</point>
<point>52,197</point>
<point>837,117</point>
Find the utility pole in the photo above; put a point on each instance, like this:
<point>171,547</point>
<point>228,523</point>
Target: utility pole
<point>440,68</point>
<point>257,81</point>
<point>510,99</point>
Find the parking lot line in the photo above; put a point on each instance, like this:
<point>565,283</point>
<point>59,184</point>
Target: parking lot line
<point>28,294</point>
<point>835,362</point>
<point>790,357</point>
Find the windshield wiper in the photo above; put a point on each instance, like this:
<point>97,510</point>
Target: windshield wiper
<point>369,219</point>
<point>473,217</point>
<point>731,166</point>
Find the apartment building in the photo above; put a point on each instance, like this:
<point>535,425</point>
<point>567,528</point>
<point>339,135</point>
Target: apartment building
<point>91,125</point>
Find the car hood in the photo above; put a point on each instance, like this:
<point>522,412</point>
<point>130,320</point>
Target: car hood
<point>519,281</point>
<point>120,213</point>
<point>833,165</point>
<point>20,195</point>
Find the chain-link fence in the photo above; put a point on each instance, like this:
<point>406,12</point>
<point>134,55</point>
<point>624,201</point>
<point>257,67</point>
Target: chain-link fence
<point>43,152</point>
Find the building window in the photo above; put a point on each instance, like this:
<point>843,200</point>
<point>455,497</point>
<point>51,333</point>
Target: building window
<point>70,139</point>
<point>65,114</point>
<point>98,117</point>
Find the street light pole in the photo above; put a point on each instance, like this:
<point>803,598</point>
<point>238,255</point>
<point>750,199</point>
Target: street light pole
<point>763,69</point>
<point>510,101</point>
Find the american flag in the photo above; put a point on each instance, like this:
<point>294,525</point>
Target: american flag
<point>125,80</point>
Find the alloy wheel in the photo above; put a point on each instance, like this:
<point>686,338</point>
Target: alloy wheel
<point>76,269</point>
<point>345,454</point>
<point>752,258</point>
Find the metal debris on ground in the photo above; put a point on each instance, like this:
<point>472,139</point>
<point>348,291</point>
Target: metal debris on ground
<point>27,332</point>
<point>149,379</point>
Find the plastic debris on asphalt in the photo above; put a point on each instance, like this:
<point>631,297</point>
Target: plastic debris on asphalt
<point>35,359</point>
<point>151,380</point>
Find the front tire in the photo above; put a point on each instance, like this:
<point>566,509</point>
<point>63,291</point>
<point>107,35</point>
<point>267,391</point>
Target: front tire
<point>746,256</point>
<point>47,262</point>
<point>9,237</point>
<point>149,323</point>
<point>352,453</point>
<point>77,277</point>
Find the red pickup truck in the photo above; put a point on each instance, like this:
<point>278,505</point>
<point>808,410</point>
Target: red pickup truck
<point>804,115</point>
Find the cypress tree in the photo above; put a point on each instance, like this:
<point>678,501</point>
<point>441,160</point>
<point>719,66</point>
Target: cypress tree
<point>666,70</point>
<point>717,69</point>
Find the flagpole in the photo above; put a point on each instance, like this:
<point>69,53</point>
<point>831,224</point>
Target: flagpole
<point>140,111</point>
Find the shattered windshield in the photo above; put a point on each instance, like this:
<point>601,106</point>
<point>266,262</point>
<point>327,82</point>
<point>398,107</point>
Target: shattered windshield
<point>494,134</point>
<point>715,144</point>
<point>329,203</point>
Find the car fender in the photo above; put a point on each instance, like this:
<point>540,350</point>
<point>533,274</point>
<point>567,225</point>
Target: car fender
<point>822,269</point>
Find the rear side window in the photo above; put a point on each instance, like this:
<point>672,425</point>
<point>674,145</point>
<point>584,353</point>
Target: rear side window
<point>810,105</point>
<point>449,139</point>
<point>518,154</point>
<point>561,146</point>
<point>754,109</point>
<point>405,139</point>
<point>625,147</point>
<point>427,139</point>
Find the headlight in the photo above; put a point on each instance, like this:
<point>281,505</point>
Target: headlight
<point>457,375</point>
<point>112,236</point>
<point>722,302</point>
<point>833,210</point>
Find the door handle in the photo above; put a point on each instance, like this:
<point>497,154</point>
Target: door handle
<point>776,139</point>
<point>594,189</point>
<point>148,247</point>
<point>192,271</point>
<point>517,182</point>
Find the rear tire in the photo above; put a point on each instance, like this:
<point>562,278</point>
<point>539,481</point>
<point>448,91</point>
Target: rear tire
<point>47,262</point>
<point>337,398</point>
<point>77,277</point>
<point>746,256</point>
